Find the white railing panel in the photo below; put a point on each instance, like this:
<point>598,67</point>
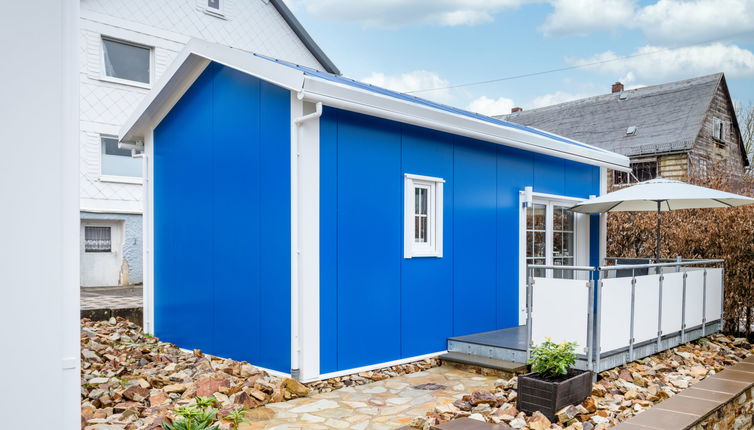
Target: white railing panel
<point>714,294</point>
<point>560,311</point>
<point>672,302</point>
<point>694,294</point>
<point>647,307</point>
<point>615,318</point>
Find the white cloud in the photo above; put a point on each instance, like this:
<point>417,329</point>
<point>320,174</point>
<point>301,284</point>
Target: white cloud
<point>556,98</point>
<point>666,21</point>
<point>580,17</point>
<point>660,64</point>
<point>487,106</point>
<point>412,81</point>
<point>694,21</point>
<point>398,13</point>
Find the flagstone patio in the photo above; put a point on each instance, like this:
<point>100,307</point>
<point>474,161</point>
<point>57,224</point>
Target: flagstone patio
<point>387,404</point>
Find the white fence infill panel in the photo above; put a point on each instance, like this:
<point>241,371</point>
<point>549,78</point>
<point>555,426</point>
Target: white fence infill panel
<point>694,294</point>
<point>672,302</point>
<point>713,306</point>
<point>615,318</point>
<point>647,308</point>
<point>560,311</point>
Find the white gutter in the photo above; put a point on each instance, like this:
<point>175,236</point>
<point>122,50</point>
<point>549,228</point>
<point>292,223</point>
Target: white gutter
<point>295,247</point>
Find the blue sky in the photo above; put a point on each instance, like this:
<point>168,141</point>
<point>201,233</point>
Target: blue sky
<point>419,44</point>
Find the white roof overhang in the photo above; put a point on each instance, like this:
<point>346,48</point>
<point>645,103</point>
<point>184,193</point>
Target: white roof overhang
<point>198,54</point>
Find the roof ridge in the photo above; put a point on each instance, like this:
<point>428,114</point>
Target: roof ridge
<point>649,88</point>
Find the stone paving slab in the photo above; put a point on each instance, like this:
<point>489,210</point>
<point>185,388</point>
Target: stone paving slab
<point>383,405</point>
<point>111,297</point>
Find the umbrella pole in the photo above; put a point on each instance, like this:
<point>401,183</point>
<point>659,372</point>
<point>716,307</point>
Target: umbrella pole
<point>659,223</point>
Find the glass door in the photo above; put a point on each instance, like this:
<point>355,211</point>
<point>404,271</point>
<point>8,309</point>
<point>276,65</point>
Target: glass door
<point>551,238</point>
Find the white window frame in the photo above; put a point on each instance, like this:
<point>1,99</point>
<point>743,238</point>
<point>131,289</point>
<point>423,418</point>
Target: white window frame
<point>433,247</point>
<point>103,68</point>
<point>117,178</point>
<point>581,239</point>
<point>220,12</point>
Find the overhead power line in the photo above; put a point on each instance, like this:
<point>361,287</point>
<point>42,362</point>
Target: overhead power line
<point>578,66</point>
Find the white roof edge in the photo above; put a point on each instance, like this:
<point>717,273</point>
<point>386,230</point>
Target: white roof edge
<point>190,63</point>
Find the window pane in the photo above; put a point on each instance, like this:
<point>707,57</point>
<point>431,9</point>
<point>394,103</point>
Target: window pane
<point>97,239</point>
<point>420,201</point>
<point>126,61</point>
<point>118,162</point>
<point>536,218</point>
<point>215,4</point>
<point>420,229</point>
<point>538,244</point>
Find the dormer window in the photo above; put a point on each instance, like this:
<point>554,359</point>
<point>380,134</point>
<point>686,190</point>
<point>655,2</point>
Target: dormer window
<point>718,129</point>
<point>214,7</point>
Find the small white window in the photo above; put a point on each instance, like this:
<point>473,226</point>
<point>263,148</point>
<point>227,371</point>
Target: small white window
<point>97,239</point>
<point>116,161</point>
<point>126,62</point>
<point>214,7</point>
<point>718,129</point>
<point>423,216</point>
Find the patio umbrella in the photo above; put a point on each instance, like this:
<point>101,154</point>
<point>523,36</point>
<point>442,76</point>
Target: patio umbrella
<point>661,195</point>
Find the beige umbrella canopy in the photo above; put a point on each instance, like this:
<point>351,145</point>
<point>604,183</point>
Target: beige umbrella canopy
<point>661,195</point>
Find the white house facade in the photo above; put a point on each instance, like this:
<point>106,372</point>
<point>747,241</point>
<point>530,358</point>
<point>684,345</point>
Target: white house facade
<point>125,46</point>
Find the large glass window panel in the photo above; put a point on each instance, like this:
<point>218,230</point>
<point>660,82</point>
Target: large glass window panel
<point>126,61</point>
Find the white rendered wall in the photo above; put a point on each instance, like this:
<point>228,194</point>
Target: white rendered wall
<point>39,356</point>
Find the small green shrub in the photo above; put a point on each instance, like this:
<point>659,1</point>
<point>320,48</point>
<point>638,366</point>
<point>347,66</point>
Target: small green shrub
<point>193,418</point>
<point>550,359</point>
<point>236,417</point>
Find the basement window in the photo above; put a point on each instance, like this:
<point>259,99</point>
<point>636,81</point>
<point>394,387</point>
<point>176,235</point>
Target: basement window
<point>97,239</point>
<point>423,207</point>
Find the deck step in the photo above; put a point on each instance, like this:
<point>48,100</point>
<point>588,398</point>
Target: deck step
<point>490,363</point>
<point>469,424</point>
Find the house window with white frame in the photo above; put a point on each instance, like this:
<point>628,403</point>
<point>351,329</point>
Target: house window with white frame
<point>214,7</point>
<point>423,225</point>
<point>97,239</point>
<point>126,62</point>
<point>116,162</point>
<point>551,237</point>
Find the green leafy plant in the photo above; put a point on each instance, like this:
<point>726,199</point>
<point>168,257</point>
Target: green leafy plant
<point>204,403</point>
<point>550,359</point>
<point>236,417</point>
<point>193,418</point>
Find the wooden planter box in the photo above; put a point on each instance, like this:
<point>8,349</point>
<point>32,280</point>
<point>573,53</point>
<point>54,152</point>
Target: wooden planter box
<point>536,394</point>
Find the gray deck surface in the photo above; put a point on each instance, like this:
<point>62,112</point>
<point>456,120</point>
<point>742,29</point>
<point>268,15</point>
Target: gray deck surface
<point>511,338</point>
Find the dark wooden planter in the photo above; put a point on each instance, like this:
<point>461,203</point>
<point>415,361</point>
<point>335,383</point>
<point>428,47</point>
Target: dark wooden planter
<point>535,394</point>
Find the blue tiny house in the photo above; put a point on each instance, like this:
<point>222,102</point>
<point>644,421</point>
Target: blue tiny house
<point>316,226</point>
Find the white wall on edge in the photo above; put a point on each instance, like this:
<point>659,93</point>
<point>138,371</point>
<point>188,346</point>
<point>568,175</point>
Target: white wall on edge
<point>39,366</point>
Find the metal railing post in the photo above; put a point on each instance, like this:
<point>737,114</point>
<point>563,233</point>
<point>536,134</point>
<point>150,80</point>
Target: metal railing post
<point>704,304</point>
<point>659,313</point>
<point>598,327</point>
<point>633,316</point>
<point>683,309</point>
<point>590,323</point>
<point>722,298</point>
<point>679,260</point>
<point>529,297</point>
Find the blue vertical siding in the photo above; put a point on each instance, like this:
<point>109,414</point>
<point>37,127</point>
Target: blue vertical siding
<point>376,306</point>
<point>222,219</point>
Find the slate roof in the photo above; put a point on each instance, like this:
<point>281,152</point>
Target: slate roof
<point>667,117</point>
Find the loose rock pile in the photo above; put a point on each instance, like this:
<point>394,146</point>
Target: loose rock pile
<point>619,393</point>
<point>132,381</point>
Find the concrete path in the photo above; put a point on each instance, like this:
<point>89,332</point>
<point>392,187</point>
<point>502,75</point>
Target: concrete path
<point>111,297</point>
<point>383,405</point>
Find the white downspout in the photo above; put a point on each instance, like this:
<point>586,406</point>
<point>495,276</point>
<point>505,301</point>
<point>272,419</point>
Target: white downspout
<point>295,248</point>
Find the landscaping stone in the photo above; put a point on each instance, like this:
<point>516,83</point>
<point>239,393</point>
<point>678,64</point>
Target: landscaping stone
<point>619,393</point>
<point>132,381</point>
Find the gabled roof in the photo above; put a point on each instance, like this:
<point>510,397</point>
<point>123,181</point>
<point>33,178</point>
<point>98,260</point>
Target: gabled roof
<point>667,117</point>
<point>302,34</point>
<point>336,91</point>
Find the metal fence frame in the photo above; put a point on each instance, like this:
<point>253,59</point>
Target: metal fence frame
<point>593,353</point>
